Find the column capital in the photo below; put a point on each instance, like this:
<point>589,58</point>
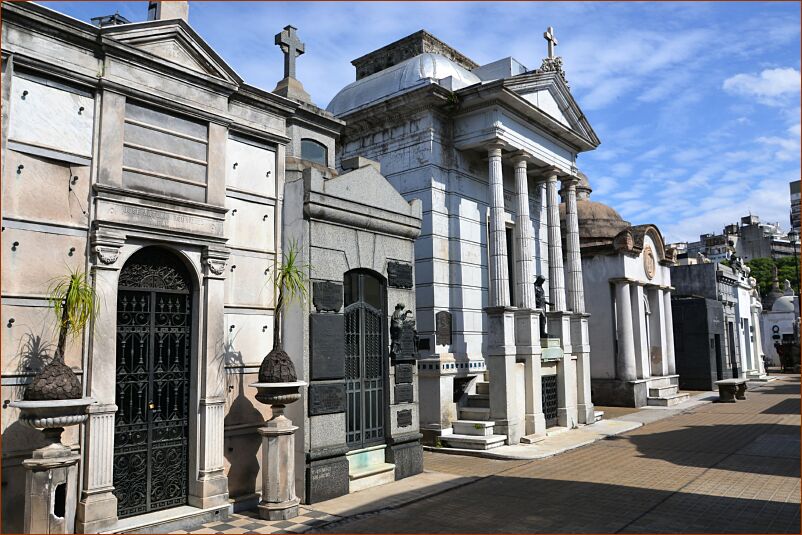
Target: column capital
<point>106,245</point>
<point>495,147</point>
<point>521,157</point>
<point>551,172</point>
<point>214,262</point>
<point>569,180</point>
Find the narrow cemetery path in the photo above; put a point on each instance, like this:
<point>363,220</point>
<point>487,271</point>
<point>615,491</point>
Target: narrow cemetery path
<point>718,468</point>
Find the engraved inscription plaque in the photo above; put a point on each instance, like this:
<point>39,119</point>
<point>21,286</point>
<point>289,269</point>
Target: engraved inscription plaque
<point>326,399</point>
<point>403,373</point>
<point>327,296</point>
<point>404,418</point>
<point>407,343</point>
<point>327,333</point>
<point>403,393</point>
<point>443,326</point>
<point>399,274</point>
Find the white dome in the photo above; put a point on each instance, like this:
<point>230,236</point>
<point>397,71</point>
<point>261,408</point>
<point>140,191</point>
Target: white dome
<point>412,73</point>
<point>783,304</point>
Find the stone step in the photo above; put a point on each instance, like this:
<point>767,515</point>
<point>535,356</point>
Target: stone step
<point>556,430</point>
<point>660,382</point>
<point>598,415</point>
<point>474,413</point>
<point>479,400</point>
<point>476,428</point>
<point>370,476</point>
<point>361,459</point>
<point>471,442</point>
<point>482,387</point>
<point>663,391</point>
<point>668,401</point>
<point>183,517</point>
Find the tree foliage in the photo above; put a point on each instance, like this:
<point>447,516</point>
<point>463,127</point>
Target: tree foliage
<point>763,272</point>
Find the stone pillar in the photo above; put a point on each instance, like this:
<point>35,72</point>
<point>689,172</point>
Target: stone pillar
<point>500,362</point>
<point>279,501</point>
<point>566,391</point>
<point>575,289</point>
<point>209,487</point>
<point>436,395</point>
<point>670,359</point>
<point>97,508</point>
<point>51,485</point>
<point>758,345</point>
<point>497,238</point>
<point>658,327</point>
<point>527,343</point>
<point>523,227</point>
<point>639,334</point>
<point>580,344</point>
<point>625,369</point>
<point>556,274</point>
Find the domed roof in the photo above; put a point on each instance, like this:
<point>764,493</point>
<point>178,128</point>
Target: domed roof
<point>412,73</point>
<point>596,220</point>
<point>783,304</point>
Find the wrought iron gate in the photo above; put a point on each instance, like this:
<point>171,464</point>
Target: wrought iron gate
<point>154,317</point>
<point>364,359</point>
<point>549,394</point>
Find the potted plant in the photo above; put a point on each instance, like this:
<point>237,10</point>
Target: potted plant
<point>278,383</point>
<point>54,399</point>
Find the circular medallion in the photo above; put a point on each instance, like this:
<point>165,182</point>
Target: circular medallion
<point>648,262</point>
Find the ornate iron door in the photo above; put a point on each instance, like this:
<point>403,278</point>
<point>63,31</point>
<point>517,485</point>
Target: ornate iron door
<point>154,317</point>
<point>549,394</point>
<point>364,359</point>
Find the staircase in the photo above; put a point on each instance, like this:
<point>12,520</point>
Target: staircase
<point>474,430</point>
<point>664,392</point>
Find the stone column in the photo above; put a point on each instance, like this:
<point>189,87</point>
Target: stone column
<point>758,345</point>
<point>523,227</point>
<point>625,369</point>
<point>659,333</point>
<point>97,508</point>
<point>575,292</point>
<point>670,359</point>
<point>640,337</point>
<point>209,487</point>
<point>279,501</point>
<point>556,274</point>
<point>527,342</point>
<point>500,361</point>
<point>497,238</point>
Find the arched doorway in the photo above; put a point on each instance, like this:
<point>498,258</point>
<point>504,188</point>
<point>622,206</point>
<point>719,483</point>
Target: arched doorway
<point>365,354</point>
<point>154,355</point>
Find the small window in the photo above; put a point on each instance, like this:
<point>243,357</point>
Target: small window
<point>313,151</point>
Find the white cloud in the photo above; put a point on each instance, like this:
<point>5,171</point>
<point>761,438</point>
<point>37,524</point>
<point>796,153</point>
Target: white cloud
<point>787,148</point>
<point>770,87</point>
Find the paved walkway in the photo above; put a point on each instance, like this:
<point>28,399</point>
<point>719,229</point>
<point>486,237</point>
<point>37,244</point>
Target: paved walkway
<point>714,468</point>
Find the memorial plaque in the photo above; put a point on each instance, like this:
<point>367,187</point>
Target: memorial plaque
<point>404,418</point>
<point>327,339</point>
<point>403,373</point>
<point>327,296</point>
<point>399,274</point>
<point>403,393</point>
<point>407,343</point>
<point>326,399</point>
<point>443,326</point>
<point>327,479</point>
<point>424,344</point>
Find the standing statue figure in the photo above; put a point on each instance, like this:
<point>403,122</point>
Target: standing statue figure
<point>396,327</point>
<point>540,302</point>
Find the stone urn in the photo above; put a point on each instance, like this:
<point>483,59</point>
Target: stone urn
<point>278,386</point>
<point>51,480</point>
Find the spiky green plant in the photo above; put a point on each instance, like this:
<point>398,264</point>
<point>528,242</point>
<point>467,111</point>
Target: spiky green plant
<point>291,283</point>
<point>74,304</point>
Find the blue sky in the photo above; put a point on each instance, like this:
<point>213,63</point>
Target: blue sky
<point>697,104</point>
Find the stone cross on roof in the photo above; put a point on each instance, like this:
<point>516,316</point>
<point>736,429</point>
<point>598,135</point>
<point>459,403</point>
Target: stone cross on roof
<point>548,35</point>
<point>292,48</point>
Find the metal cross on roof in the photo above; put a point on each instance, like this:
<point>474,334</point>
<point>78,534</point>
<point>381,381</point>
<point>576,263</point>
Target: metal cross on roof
<point>548,35</point>
<point>292,48</point>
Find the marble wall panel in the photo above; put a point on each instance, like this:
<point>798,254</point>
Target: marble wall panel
<point>51,117</point>
<point>249,337</point>
<point>44,190</point>
<point>328,264</point>
<point>142,134</point>
<point>250,225</point>
<point>168,121</point>
<point>468,275</point>
<point>31,336</point>
<point>258,118</point>
<point>40,256</point>
<point>250,168</point>
<point>249,280</point>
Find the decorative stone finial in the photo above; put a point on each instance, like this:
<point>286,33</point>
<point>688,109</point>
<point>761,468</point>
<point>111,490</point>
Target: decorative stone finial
<point>292,47</point>
<point>552,63</point>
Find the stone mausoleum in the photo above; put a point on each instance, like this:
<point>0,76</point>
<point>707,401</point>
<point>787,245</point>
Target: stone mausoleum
<point>133,153</point>
<point>627,283</point>
<point>485,148</point>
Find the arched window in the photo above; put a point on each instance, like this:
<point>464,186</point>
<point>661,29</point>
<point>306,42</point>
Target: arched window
<point>313,151</point>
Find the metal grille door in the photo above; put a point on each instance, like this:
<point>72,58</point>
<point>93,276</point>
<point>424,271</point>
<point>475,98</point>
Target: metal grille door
<point>364,359</point>
<point>549,393</point>
<point>154,316</point>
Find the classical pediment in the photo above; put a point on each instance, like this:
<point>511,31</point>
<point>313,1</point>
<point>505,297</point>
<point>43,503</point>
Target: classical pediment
<point>176,42</point>
<point>549,93</point>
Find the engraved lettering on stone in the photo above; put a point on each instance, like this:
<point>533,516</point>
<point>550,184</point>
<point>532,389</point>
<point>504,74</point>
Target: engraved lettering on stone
<point>403,393</point>
<point>404,418</point>
<point>443,325</point>
<point>399,274</point>
<point>403,373</point>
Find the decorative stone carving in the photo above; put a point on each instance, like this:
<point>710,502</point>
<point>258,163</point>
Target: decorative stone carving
<point>624,241</point>
<point>216,265</point>
<point>553,65</point>
<point>403,335</point>
<point>107,255</point>
<point>648,262</point>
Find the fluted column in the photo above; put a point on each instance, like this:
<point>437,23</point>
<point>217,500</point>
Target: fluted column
<point>625,368</point>
<point>498,274</point>
<point>575,289</point>
<point>556,274</point>
<point>670,359</point>
<point>523,227</point>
